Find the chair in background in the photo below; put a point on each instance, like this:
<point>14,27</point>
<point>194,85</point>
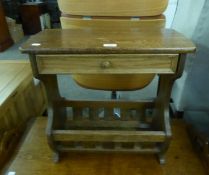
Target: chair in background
<point>120,15</point>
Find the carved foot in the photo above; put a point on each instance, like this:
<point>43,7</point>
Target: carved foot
<point>161,159</point>
<point>56,157</point>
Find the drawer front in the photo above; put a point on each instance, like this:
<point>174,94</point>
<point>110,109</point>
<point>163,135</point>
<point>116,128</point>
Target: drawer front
<point>107,64</point>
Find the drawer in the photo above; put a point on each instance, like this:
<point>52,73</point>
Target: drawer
<point>107,64</point>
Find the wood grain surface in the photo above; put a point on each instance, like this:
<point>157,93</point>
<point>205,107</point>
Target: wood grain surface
<point>113,8</point>
<point>5,38</point>
<point>18,94</point>
<point>90,41</point>
<point>34,158</point>
<point>107,64</point>
<point>73,22</point>
<point>105,81</point>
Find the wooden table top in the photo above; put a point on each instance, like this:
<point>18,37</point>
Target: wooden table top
<point>35,158</point>
<point>93,41</point>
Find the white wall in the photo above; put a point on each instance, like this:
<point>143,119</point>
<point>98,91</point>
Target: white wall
<point>187,16</point>
<point>190,17</point>
<point>170,12</point>
<point>191,92</point>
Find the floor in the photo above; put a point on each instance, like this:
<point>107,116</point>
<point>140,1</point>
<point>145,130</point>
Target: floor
<point>35,158</point>
<point>13,52</point>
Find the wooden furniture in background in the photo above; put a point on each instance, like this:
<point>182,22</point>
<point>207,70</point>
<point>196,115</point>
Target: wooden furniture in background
<point>142,51</point>
<point>16,30</point>
<point>30,15</point>
<point>35,155</point>
<point>5,38</point>
<point>20,100</point>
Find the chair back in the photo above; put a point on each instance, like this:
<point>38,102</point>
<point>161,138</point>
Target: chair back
<point>109,15</point>
<point>113,7</point>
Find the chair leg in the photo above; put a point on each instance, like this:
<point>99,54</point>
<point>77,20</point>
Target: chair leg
<point>116,111</point>
<point>56,157</point>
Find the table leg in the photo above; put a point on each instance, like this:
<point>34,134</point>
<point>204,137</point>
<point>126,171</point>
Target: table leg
<point>161,115</point>
<point>56,115</point>
<point>161,120</point>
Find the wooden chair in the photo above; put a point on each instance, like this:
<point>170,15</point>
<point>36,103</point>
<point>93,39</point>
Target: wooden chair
<point>124,15</point>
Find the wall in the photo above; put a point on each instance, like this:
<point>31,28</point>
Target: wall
<point>191,91</point>
<point>170,12</point>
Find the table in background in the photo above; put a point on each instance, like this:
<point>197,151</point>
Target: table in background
<point>32,16</point>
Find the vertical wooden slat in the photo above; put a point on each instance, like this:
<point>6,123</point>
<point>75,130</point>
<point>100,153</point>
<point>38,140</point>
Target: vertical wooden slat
<point>85,113</point>
<point>118,145</point>
<point>137,145</point>
<point>13,116</point>
<point>98,145</point>
<point>124,114</point>
<point>143,114</point>
<point>77,113</point>
<point>93,114</point>
<point>108,114</point>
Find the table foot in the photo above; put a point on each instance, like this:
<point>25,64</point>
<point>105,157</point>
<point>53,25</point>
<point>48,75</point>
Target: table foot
<point>56,157</point>
<point>161,159</point>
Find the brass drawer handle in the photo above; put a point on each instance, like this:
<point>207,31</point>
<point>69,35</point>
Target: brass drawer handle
<point>105,64</point>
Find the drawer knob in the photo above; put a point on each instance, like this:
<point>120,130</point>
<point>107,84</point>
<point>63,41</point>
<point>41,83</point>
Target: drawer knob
<point>105,64</point>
